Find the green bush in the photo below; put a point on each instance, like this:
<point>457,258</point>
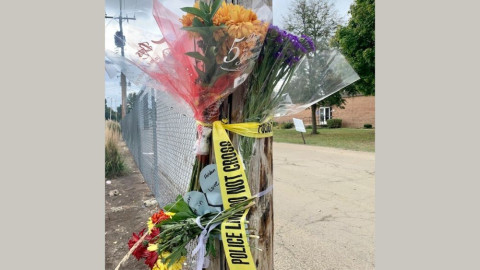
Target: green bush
<point>275,123</point>
<point>308,126</point>
<point>287,125</point>
<point>334,123</point>
<point>367,126</point>
<point>114,163</point>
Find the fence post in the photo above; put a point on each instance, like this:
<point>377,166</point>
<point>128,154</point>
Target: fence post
<point>139,130</point>
<point>155,141</point>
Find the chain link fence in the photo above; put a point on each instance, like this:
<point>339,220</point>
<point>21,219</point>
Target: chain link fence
<point>161,138</point>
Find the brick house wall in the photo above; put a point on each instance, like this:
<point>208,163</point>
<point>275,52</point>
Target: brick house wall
<point>359,110</point>
<point>305,115</point>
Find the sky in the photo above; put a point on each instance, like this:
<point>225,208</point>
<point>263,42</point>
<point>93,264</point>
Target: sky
<point>141,9</point>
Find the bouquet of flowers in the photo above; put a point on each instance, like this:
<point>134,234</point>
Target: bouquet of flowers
<point>168,233</point>
<point>270,92</point>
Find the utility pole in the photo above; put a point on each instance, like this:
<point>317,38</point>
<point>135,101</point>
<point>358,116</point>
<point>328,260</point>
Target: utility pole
<point>260,176</point>
<point>120,42</point>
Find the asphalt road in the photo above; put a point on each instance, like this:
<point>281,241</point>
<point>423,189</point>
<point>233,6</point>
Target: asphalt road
<point>324,203</point>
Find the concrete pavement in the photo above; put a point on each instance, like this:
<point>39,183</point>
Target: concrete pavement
<point>324,203</point>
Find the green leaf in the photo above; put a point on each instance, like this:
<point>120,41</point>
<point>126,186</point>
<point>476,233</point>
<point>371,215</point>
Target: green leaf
<point>197,55</point>
<point>183,215</point>
<point>178,206</point>
<point>176,255</point>
<point>204,7</point>
<point>200,73</point>
<point>203,30</point>
<point>215,6</point>
<point>195,11</point>
<point>197,23</point>
<point>211,246</point>
<point>199,30</point>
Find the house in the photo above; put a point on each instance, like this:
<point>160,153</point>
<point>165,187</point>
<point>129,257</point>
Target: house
<point>358,110</point>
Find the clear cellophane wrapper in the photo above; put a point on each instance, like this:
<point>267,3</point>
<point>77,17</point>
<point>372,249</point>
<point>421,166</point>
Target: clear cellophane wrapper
<point>197,66</point>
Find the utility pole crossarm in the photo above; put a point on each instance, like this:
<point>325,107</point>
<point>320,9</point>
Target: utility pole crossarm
<point>120,18</point>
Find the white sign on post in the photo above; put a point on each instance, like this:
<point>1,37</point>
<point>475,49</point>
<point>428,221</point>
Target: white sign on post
<point>299,125</point>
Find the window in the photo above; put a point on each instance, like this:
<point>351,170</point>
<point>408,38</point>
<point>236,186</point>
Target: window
<point>325,114</point>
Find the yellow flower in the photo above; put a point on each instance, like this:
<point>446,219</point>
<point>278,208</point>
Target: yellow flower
<point>161,266</point>
<point>170,214</point>
<point>152,247</point>
<point>150,224</point>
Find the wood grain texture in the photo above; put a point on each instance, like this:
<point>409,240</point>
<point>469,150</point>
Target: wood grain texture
<point>260,176</point>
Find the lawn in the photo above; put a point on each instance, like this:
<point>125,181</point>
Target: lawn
<point>345,138</point>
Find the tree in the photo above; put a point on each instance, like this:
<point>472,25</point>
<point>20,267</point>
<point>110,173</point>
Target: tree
<point>106,111</point>
<point>317,19</point>
<point>356,41</point>
<point>119,112</point>
<point>131,99</point>
<point>109,113</point>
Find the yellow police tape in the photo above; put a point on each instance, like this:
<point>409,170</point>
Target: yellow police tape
<point>234,188</point>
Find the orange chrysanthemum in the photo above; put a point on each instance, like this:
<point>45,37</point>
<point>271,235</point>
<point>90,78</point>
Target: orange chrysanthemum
<point>187,19</point>
<point>240,23</point>
<point>159,216</point>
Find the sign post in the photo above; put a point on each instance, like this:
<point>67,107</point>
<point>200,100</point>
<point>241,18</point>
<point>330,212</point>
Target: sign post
<point>300,127</point>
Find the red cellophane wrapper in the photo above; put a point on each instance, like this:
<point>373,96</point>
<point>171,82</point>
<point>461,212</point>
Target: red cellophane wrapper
<point>198,64</point>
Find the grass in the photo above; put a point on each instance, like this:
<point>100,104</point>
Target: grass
<point>345,138</point>
<point>114,162</point>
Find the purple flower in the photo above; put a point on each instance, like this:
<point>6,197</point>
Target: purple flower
<point>309,41</point>
<point>286,46</point>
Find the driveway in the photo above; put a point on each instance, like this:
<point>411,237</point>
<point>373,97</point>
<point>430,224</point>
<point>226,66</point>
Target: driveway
<point>324,203</point>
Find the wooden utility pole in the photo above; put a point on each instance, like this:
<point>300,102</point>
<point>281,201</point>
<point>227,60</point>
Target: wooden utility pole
<point>120,42</point>
<point>260,177</point>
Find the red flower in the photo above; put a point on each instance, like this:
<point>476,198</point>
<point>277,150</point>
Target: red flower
<point>159,216</point>
<point>154,232</point>
<point>151,259</point>
<point>139,252</point>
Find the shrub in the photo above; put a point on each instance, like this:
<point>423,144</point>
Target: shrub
<point>287,125</point>
<point>114,163</point>
<point>367,125</point>
<point>334,123</point>
<point>275,124</point>
<point>308,126</point>
<point>112,125</point>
